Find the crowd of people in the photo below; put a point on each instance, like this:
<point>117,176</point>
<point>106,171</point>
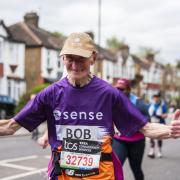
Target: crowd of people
<point>82,112</point>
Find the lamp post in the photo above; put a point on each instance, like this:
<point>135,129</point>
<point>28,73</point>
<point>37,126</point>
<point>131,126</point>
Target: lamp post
<point>99,22</point>
<point>99,39</point>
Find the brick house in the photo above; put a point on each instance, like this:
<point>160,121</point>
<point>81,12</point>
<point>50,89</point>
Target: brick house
<point>12,76</point>
<point>42,61</point>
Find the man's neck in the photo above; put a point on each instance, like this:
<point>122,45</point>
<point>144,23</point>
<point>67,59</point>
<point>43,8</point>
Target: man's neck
<point>80,82</point>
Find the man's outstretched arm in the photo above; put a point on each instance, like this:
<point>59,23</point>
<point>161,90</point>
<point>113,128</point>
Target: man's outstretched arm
<point>161,131</point>
<point>156,131</point>
<point>8,127</point>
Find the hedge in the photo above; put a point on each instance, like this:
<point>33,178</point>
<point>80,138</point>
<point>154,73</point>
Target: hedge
<point>26,97</point>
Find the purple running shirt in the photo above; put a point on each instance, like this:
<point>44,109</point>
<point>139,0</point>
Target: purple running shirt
<point>81,113</point>
<point>84,115</point>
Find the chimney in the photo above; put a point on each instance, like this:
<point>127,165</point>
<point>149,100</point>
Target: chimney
<point>124,51</point>
<point>150,57</point>
<point>31,18</point>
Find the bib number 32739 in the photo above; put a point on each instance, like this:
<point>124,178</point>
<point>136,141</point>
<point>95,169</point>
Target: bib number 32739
<point>80,158</point>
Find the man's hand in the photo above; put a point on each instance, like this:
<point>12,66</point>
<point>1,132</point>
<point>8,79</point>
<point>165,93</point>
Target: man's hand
<point>44,141</point>
<point>8,127</point>
<point>175,125</point>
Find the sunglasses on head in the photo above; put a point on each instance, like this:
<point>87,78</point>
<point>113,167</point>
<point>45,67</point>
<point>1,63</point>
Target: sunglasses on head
<point>121,89</point>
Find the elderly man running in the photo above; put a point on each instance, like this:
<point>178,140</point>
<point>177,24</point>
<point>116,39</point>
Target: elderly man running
<point>81,111</point>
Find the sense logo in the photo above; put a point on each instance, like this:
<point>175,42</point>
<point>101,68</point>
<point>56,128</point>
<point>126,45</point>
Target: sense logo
<point>57,114</point>
<point>77,115</point>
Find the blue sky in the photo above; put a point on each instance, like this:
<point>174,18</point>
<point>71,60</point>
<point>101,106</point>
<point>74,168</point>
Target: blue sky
<point>149,23</point>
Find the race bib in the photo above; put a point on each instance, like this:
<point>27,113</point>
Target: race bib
<point>79,161</point>
<point>80,158</point>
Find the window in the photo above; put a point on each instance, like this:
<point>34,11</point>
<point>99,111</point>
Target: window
<point>11,47</point>
<point>59,63</point>
<point>48,61</point>
<point>9,88</point>
<point>0,50</point>
<point>14,89</point>
<point>19,91</point>
<point>107,69</point>
<point>17,53</point>
<point>48,58</point>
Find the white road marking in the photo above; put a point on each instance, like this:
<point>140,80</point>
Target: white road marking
<point>47,157</point>
<point>18,166</point>
<point>8,163</point>
<point>18,159</point>
<point>24,174</point>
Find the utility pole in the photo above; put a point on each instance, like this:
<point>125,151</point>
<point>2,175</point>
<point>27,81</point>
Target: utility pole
<point>99,22</point>
<point>99,40</point>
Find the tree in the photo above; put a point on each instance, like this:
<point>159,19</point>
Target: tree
<point>168,67</point>
<point>26,97</point>
<point>178,64</point>
<point>114,44</point>
<point>57,34</point>
<point>145,51</point>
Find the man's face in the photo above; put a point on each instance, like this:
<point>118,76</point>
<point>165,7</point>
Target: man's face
<point>126,91</point>
<point>156,99</point>
<point>78,67</point>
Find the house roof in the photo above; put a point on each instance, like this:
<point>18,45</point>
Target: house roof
<point>35,36</point>
<point>106,54</point>
<point>10,36</point>
<point>158,65</point>
<point>5,27</point>
<point>48,39</point>
<point>141,62</point>
<point>136,59</point>
<point>145,63</point>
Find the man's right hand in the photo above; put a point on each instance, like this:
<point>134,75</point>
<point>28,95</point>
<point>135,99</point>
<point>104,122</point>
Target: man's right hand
<point>8,127</point>
<point>43,142</point>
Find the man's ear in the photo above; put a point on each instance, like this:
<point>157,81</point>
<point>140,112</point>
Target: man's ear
<point>94,57</point>
<point>92,61</point>
<point>63,59</point>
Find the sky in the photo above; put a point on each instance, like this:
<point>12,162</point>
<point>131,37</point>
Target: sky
<point>141,23</point>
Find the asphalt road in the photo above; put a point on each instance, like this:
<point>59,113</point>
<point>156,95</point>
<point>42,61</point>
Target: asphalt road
<point>166,168</point>
<point>22,159</point>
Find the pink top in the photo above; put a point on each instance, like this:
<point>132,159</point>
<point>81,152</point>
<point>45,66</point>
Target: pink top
<point>136,137</point>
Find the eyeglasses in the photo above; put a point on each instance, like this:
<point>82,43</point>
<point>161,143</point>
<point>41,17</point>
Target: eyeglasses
<point>121,89</point>
<point>72,58</point>
<point>125,90</point>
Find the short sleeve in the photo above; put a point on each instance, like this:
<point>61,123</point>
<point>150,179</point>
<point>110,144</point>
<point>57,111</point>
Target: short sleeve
<point>127,118</point>
<point>33,114</point>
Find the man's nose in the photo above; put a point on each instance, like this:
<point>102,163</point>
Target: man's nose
<point>75,64</point>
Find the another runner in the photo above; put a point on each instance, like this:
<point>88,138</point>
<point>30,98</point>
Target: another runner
<point>158,111</point>
<point>131,148</point>
<point>81,111</point>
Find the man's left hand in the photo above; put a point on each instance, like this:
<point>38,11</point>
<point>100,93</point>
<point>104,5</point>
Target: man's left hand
<point>175,125</point>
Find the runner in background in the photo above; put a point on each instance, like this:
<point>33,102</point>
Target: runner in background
<point>158,112</point>
<point>131,148</point>
<point>35,133</point>
<point>81,111</point>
